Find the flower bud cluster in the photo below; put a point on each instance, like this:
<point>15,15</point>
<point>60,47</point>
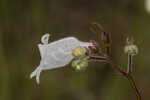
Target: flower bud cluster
<point>79,52</point>
<point>80,59</point>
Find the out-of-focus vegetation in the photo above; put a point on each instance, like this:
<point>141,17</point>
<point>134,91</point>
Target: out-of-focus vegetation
<point>23,22</point>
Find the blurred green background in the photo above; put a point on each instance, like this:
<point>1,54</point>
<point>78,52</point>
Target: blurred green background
<point>23,22</point>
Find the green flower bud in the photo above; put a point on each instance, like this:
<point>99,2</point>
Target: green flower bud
<point>80,64</point>
<point>79,52</point>
<point>131,49</point>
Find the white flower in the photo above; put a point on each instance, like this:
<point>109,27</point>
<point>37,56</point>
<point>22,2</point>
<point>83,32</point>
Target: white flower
<point>56,54</point>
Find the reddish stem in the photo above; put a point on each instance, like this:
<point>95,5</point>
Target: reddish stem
<point>125,74</point>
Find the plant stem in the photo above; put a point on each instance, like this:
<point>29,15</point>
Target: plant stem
<point>129,77</point>
<point>132,82</point>
<point>98,58</point>
<point>125,74</point>
<point>129,70</point>
<point>117,68</point>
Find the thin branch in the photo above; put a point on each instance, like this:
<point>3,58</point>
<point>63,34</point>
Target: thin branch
<point>133,84</point>
<point>98,58</point>
<point>117,68</point>
<point>130,79</point>
<point>125,74</point>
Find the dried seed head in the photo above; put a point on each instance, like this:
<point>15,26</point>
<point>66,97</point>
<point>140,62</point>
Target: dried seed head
<point>131,49</point>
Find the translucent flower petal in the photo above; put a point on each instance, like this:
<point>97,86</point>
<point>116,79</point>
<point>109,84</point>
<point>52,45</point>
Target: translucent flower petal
<point>56,54</point>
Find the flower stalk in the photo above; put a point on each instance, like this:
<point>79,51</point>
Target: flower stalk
<point>124,74</point>
<point>130,49</point>
<point>129,67</point>
<point>133,84</point>
<point>70,49</point>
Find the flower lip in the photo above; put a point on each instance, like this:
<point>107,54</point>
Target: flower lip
<point>45,38</point>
